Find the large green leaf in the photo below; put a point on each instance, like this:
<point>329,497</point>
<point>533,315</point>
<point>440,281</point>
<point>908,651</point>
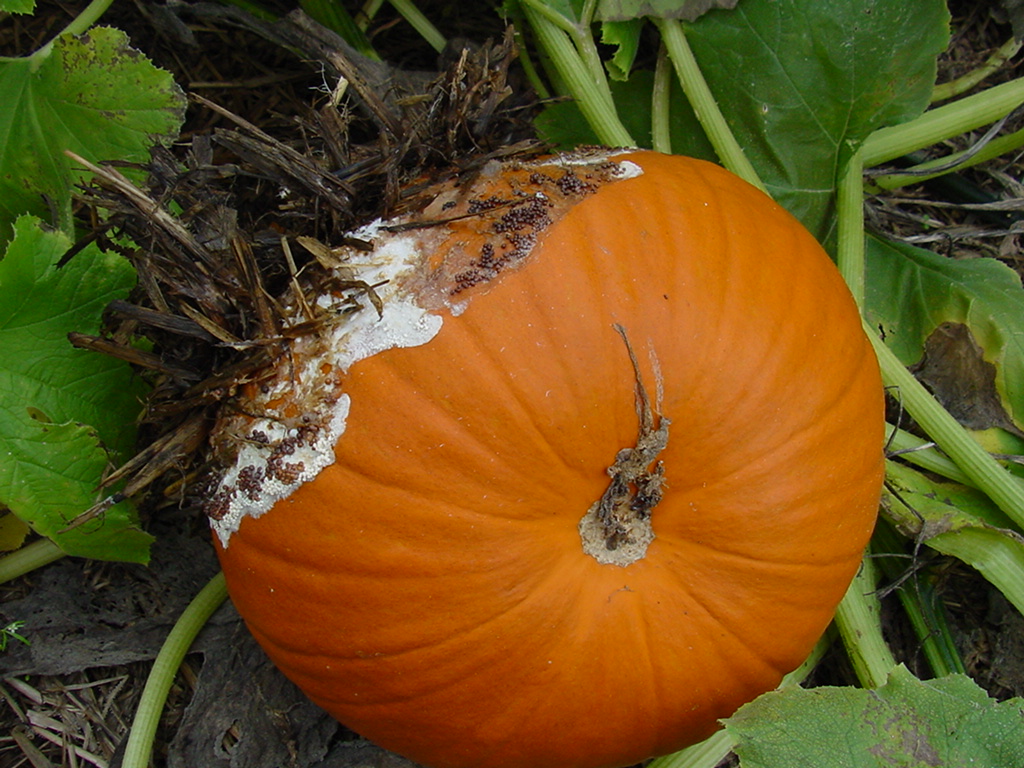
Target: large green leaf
<point>65,414</point>
<point>624,10</point>
<point>803,82</point>
<point>94,95</point>
<point>907,722</point>
<point>17,6</point>
<point>910,292</point>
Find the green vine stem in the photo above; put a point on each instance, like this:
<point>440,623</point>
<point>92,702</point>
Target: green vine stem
<point>911,448</point>
<point>995,62</point>
<point>78,26</point>
<point>984,472</point>
<point>368,13</point>
<point>940,123</point>
<point>995,553</point>
<point>579,33</point>
<point>850,226</point>
<point>999,146</point>
<point>979,467</point>
<point>161,676</point>
<point>858,620</point>
<point>581,37</point>
<point>408,11</point>
<point>706,754</point>
<point>30,557</point>
<point>920,603</point>
<point>333,15</point>
<point>703,102</point>
<point>515,12</point>
<point>714,749</point>
<point>593,99</point>
<point>661,137</point>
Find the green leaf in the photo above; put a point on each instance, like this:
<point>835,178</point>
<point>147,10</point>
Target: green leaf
<point>625,36</point>
<point>907,722</point>
<point>983,294</point>
<point>803,82</point>
<point>923,507</point>
<point>65,414</point>
<point>94,95</point>
<point>570,10</point>
<point>17,6</point>
<point>687,10</point>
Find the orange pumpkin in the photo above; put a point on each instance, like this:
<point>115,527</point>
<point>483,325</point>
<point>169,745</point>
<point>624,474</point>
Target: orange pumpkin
<point>592,469</point>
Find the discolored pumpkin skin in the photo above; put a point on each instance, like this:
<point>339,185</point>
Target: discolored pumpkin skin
<point>429,589</point>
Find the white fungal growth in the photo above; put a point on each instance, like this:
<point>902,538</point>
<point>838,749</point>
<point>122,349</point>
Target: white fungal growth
<point>278,450</point>
<point>264,474</point>
<point>282,431</point>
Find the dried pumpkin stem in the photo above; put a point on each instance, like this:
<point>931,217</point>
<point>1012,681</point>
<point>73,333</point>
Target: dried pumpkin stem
<point>617,529</point>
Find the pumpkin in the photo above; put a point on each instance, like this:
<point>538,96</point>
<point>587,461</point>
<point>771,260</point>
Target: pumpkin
<point>591,468</point>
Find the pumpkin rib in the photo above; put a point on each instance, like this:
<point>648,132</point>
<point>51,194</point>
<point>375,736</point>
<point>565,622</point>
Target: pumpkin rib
<point>525,414</point>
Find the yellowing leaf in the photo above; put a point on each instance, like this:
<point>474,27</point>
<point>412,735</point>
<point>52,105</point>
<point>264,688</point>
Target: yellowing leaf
<point>12,532</point>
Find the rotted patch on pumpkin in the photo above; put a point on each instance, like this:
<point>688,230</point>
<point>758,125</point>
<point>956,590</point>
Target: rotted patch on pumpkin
<point>480,227</point>
<point>281,432</point>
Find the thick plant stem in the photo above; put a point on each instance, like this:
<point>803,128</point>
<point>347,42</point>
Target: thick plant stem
<point>525,59</point>
<point>942,122</point>
<point>850,223</point>
<point>661,138</point>
<point>30,557</point>
<point>703,102</point>
<point>984,472</point>
<point>913,449</point>
<point>999,146</point>
<point>368,13</point>
<point>147,717</point>
<point>705,754</point>
<point>588,89</point>
<point>858,620</point>
<point>963,84</point>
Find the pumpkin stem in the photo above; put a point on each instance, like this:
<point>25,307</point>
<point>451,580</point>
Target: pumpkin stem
<point>617,528</point>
